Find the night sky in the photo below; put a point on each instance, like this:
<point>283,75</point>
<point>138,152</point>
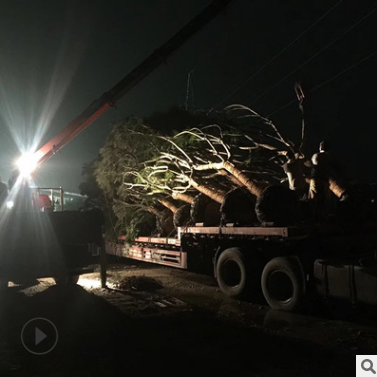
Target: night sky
<point>56,57</point>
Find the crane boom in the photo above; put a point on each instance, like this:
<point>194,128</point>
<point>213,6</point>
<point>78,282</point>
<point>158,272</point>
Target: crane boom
<point>110,98</point>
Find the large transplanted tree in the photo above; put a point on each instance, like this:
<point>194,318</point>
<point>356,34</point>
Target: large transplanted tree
<point>162,166</point>
<point>233,154</point>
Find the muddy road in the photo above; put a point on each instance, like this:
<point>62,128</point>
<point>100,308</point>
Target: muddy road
<point>165,322</point>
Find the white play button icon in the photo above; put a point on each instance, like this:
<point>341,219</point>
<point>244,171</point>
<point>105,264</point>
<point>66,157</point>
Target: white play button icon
<point>39,336</point>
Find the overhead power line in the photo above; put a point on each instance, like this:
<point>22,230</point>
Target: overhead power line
<point>277,55</point>
<point>314,56</point>
<point>216,48</point>
<point>190,75</point>
<point>204,58</point>
<point>323,83</point>
<point>344,71</point>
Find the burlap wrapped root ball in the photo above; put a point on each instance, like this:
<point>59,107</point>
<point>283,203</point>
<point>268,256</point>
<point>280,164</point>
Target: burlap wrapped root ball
<point>205,210</point>
<point>238,207</point>
<point>278,205</point>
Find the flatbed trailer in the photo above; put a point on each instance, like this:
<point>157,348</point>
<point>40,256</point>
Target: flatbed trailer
<point>285,264</point>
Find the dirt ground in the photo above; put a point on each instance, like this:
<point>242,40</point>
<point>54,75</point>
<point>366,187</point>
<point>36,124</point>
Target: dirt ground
<point>164,321</point>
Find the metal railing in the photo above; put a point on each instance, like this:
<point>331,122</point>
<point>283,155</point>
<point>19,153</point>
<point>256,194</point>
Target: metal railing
<point>52,190</point>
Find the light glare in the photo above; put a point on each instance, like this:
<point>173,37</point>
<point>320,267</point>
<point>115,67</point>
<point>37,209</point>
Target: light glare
<point>26,164</point>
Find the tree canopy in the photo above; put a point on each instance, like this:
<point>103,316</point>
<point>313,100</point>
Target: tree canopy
<point>149,165</point>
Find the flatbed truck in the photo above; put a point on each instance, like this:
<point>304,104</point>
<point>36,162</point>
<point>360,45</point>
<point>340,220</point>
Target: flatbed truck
<point>284,264</point>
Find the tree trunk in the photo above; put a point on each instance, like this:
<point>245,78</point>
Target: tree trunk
<point>256,188</point>
<point>184,197</point>
<point>231,177</point>
<point>217,196</point>
<point>154,211</point>
<point>336,188</point>
<point>168,205</point>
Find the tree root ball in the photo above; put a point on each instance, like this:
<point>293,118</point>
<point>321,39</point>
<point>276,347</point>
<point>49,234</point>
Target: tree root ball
<point>238,207</point>
<point>182,216</point>
<point>205,210</point>
<point>278,205</point>
<point>164,225</point>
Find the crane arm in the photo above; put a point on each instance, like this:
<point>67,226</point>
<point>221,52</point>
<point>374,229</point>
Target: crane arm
<point>110,98</point>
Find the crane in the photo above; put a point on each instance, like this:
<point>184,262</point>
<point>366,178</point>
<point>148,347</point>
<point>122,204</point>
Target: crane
<point>62,243</point>
<point>31,162</point>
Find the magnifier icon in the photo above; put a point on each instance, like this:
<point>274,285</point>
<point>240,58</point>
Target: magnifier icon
<point>368,367</point>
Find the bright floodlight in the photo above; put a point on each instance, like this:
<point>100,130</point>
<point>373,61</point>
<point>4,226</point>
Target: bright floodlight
<point>26,164</point>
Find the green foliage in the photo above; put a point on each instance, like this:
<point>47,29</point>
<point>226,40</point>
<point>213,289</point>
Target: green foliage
<point>128,146</point>
<point>120,172</point>
<point>133,221</point>
<point>89,186</point>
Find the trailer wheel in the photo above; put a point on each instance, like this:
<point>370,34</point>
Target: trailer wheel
<point>235,276</point>
<point>283,284</point>
<point>67,279</point>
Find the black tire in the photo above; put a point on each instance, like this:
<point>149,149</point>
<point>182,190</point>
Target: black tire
<point>283,284</point>
<point>67,280</point>
<point>236,277</point>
